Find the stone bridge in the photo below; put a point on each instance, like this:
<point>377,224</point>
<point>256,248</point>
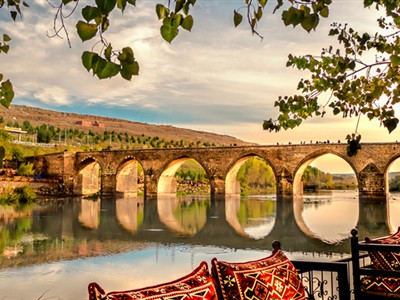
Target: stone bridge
<point>111,172</point>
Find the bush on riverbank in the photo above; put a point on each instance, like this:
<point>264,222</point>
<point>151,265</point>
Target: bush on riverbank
<point>25,170</point>
<point>20,196</point>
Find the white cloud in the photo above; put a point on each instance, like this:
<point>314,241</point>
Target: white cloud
<point>217,77</point>
<point>52,95</point>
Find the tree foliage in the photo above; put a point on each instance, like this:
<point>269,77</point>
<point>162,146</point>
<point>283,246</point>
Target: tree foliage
<point>357,86</point>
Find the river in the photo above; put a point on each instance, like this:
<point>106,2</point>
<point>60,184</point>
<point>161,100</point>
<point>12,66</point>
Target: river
<point>53,251</point>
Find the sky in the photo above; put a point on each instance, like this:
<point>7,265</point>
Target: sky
<point>216,78</point>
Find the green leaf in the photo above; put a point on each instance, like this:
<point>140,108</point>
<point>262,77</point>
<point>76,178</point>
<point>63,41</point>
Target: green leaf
<point>188,23</point>
<point>106,6</point>
<point>169,32</point>
<point>88,59</point>
<point>132,2</point>
<point>128,70</point>
<point>1,77</point>
<point>121,4</point>
<point>292,16</point>
<point>395,60</point>
<point>6,38</point>
<point>176,20</point>
<point>179,5</point>
<point>13,14</point>
<point>108,52</point>
<point>5,48</point>
<point>391,124</point>
<point>86,31</point>
<point>98,65</point>
<point>7,93</point>
<point>237,18</point>
<point>162,11</point>
<point>310,22</point>
<point>110,70</point>
<point>324,12</point>
<point>89,13</point>
<point>262,2</point>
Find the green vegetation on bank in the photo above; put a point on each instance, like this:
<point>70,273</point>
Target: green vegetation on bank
<point>19,196</point>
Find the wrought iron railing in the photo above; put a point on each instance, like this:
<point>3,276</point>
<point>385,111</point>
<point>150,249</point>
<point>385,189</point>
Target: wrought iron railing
<point>325,280</point>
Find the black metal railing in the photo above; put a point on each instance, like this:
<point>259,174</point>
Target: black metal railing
<point>324,280</point>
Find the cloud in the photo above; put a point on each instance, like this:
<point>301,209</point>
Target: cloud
<point>52,95</point>
<point>217,77</point>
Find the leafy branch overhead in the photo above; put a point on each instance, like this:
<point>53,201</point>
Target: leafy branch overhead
<point>357,86</point>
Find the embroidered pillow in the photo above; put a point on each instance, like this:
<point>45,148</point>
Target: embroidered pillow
<point>383,260</point>
<point>381,286</point>
<point>197,285</point>
<point>273,277</point>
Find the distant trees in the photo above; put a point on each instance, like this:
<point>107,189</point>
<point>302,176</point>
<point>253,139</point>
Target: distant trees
<point>312,176</point>
<point>256,175</point>
<point>106,139</point>
<point>394,184</point>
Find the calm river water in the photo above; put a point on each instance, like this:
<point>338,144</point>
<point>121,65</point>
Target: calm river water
<point>53,251</point>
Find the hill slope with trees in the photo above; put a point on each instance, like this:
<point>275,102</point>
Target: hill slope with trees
<point>16,115</point>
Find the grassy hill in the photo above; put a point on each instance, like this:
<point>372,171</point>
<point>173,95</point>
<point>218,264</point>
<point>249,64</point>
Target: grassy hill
<point>37,116</point>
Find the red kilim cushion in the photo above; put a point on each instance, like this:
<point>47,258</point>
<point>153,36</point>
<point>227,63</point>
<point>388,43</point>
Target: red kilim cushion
<point>381,286</point>
<point>198,285</point>
<point>383,260</point>
<point>273,277</point>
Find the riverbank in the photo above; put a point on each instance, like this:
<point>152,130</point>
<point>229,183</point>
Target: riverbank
<point>41,187</point>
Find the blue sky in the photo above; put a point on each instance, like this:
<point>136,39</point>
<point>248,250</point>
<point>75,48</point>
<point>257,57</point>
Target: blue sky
<point>217,78</point>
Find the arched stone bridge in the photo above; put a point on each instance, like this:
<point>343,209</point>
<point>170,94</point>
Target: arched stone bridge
<point>116,171</point>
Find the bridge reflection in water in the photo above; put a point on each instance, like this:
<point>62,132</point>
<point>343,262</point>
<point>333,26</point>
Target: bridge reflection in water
<point>234,223</point>
<point>53,239</point>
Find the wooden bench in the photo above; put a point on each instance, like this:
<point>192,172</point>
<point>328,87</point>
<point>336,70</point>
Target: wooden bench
<point>364,272</point>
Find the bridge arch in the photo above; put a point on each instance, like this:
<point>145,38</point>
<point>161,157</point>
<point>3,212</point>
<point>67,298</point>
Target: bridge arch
<point>305,162</point>
<point>392,206</point>
<point>88,178</point>
<point>167,184</point>
<point>304,212</point>
<point>232,186</point>
<point>127,176</point>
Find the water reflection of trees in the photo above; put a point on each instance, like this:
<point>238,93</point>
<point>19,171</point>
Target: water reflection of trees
<point>85,227</point>
<point>183,215</point>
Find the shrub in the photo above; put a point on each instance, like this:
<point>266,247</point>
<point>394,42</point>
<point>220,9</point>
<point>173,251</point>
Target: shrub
<point>25,170</point>
<point>20,196</point>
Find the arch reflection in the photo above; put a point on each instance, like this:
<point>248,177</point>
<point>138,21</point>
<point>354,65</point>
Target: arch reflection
<point>130,212</point>
<point>252,216</point>
<point>330,221</point>
<point>89,214</point>
<point>326,198</point>
<point>183,215</point>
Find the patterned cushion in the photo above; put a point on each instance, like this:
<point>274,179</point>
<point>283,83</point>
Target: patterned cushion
<point>383,260</point>
<point>196,285</point>
<point>273,277</point>
<point>381,286</point>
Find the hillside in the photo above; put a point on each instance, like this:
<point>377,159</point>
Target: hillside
<point>38,116</point>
